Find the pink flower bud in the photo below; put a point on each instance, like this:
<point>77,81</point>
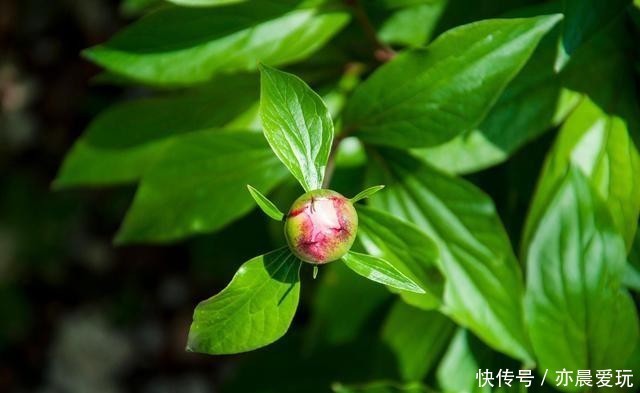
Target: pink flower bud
<point>321,226</point>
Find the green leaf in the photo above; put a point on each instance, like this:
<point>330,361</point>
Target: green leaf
<point>459,363</point>
<point>122,143</point>
<point>306,371</point>
<point>411,23</point>
<point>199,186</point>
<point>265,204</point>
<point>534,102</point>
<point>417,338</point>
<point>297,125</point>
<point>483,282</point>
<point>454,82</point>
<point>598,136</point>
<point>254,310</point>
<point>579,317</point>
<point>412,252</point>
<point>186,45</point>
<point>381,271</point>
<point>462,360</point>
<point>631,277</point>
<point>137,7</point>
<point>366,193</point>
<point>598,144</point>
<point>583,19</point>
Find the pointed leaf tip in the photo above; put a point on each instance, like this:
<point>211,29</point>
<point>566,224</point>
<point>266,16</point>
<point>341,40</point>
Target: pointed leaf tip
<point>255,30</point>
<point>268,207</point>
<point>366,193</point>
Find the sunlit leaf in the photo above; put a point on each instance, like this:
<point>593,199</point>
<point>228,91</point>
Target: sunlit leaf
<point>583,19</point>
<point>578,314</point>
<point>417,338</point>
<point>199,185</point>
<point>185,45</point>
<point>483,283</point>
<point>297,125</point>
<point>254,310</point>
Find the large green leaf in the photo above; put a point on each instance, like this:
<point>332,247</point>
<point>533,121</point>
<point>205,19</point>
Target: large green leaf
<point>199,185</point>
<point>411,250</point>
<point>483,282</point>
<point>453,83</point>
<point>381,271</point>
<point>381,387</point>
<point>458,365</point>
<point>583,19</point>
<point>123,141</point>
<point>417,338</point>
<point>297,125</point>
<point>254,310</point>
<point>463,358</point>
<point>183,45</point>
<point>599,145</point>
<point>458,12</point>
<point>533,102</point>
<point>267,207</point>
<point>578,315</point>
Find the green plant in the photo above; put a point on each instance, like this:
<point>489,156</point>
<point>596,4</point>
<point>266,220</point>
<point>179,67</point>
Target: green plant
<point>415,115</point>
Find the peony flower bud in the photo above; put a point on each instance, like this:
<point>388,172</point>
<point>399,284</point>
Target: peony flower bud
<point>321,226</point>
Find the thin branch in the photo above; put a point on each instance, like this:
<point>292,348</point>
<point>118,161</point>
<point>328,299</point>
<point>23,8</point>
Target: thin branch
<point>382,52</point>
